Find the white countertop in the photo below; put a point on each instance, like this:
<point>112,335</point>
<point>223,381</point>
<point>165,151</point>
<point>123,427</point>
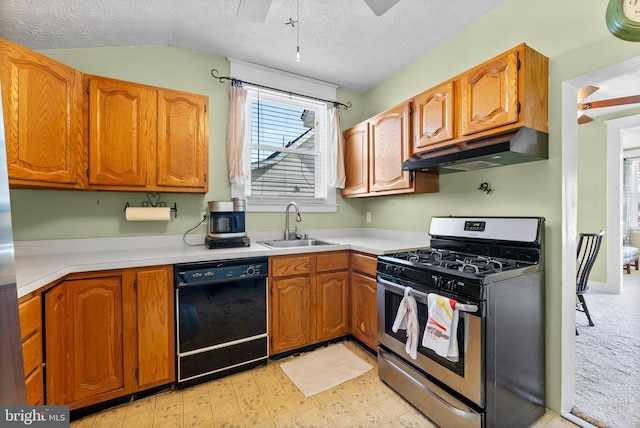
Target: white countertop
<point>39,263</point>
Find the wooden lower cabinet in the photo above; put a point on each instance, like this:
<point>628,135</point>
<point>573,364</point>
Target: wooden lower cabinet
<point>108,334</point>
<point>364,320</point>
<point>308,299</point>
<point>332,307</point>
<point>292,325</point>
<point>155,316</point>
<point>30,310</point>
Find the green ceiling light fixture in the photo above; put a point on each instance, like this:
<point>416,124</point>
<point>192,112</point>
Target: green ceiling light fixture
<point>623,19</point>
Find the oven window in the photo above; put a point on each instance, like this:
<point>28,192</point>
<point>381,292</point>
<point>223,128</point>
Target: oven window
<point>223,312</point>
<point>391,304</point>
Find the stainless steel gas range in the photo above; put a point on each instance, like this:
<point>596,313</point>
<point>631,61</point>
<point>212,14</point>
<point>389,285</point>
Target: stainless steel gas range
<point>493,268</point>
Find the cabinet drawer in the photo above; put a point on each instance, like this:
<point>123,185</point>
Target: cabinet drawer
<point>32,353</point>
<point>30,316</point>
<point>332,261</point>
<point>364,264</point>
<point>35,388</point>
<point>290,265</point>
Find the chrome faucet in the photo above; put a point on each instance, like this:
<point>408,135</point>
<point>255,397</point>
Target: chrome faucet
<point>286,219</point>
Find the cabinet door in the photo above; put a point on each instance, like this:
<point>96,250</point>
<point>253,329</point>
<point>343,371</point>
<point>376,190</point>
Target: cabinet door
<point>31,327</point>
<point>364,321</point>
<point>332,307</point>
<point>356,160</point>
<point>43,119</point>
<point>84,337</point>
<point>155,326</point>
<point>433,119</point>
<point>182,155</point>
<point>292,321</point>
<point>388,148</point>
<point>490,95</point>
<point>122,133</point>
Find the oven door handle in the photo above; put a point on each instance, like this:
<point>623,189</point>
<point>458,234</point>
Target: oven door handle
<point>462,307</point>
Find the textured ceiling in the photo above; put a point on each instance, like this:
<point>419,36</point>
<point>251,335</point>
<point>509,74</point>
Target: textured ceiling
<point>341,41</point>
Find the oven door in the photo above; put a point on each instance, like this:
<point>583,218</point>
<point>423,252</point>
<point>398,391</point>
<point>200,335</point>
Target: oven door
<point>464,376</point>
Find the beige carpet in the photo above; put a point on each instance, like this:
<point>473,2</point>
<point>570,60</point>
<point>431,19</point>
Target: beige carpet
<point>608,358</point>
<point>324,368</point>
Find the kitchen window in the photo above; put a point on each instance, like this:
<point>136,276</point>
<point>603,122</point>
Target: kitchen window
<point>286,143</point>
<point>632,191</point>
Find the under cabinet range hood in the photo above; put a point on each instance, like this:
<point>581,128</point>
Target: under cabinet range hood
<point>522,145</point>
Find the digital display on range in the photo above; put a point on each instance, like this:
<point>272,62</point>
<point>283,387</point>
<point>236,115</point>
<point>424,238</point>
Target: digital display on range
<point>474,226</point>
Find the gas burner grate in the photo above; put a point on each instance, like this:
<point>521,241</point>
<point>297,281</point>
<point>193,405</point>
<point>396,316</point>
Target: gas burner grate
<point>448,259</point>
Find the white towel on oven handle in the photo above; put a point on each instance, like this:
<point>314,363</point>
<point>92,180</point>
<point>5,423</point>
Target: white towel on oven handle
<point>441,331</point>
<point>407,319</point>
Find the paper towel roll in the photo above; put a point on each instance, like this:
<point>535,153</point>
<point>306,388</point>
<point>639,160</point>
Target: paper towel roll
<point>148,214</point>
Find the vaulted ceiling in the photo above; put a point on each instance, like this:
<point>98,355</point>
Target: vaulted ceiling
<point>341,41</point>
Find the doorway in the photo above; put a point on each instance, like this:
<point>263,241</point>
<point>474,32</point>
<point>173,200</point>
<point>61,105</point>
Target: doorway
<point>569,211</point>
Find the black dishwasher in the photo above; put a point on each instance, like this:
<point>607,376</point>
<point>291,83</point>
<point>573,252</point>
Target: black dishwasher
<point>221,318</point>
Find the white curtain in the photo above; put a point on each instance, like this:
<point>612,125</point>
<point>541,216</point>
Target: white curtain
<point>238,173</point>
<point>628,187</point>
<point>336,150</point>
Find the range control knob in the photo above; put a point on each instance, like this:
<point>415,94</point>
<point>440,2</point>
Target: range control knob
<point>208,274</point>
<point>451,284</point>
<point>437,281</point>
<point>197,275</point>
<point>251,270</point>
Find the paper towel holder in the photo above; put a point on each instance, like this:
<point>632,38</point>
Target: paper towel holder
<point>153,200</point>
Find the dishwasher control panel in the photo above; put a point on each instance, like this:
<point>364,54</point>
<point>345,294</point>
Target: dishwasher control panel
<point>226,270</point>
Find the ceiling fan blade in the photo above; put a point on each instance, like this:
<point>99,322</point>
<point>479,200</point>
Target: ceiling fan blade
<point>379,7</point>
<point>253,10</point>
<point>583,118</point>
<point>585,92</point>
<point>633,99</point>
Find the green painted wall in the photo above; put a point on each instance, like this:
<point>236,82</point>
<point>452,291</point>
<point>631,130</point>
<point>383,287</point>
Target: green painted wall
<point>572,33</point>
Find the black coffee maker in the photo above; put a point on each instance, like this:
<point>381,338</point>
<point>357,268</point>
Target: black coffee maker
<point>227,224</point>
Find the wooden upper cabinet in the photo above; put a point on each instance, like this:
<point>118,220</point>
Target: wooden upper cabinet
<point>356,160</point>
<point>122,133</point>
<point>146,138</point>
<point>182,141</point>
<point>433,116</point>
<point>373,154</point>
<point>490,95</point>
<point>506,92</point>
<point>43,119</point>
<point>388,148</point>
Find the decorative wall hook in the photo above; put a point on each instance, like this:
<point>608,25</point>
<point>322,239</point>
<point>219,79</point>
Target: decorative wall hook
<point>485,187</point>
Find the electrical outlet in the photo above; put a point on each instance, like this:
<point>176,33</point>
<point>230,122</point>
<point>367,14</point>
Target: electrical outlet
<point>203,215</point>
<point>368,216</point>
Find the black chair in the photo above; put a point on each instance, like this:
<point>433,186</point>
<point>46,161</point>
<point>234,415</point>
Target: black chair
<point>588,247</point>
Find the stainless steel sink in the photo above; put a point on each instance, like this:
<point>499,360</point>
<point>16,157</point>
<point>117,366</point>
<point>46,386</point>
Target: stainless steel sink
<point>288,243</point>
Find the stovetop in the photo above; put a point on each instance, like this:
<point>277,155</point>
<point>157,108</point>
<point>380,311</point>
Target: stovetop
<point>468,253</point>
<point>456,261</point>
<point>449,272</point>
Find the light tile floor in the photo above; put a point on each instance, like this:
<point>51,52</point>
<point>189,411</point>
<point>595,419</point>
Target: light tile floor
<point>265,397</point>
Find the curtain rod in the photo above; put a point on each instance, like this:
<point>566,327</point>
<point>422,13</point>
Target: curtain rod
<point>214,73</point>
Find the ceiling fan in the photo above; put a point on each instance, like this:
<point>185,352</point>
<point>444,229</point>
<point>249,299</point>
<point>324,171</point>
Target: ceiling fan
<point>256,10</point>
<point>612,102</point>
